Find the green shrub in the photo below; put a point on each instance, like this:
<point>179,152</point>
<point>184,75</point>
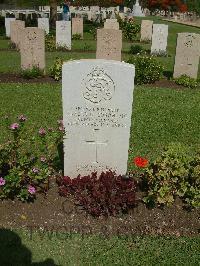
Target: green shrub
<point>32,73</point>
<point>135,49</point>
<point>145,40</point>
<point>192,195</point>
<point>186,81</point>
<point>147,69</point>
<point>12,45</point>
<point>62,48</point>
<point>2,26</point>
<point>93,31</point>
<point>87,26</point>
<point>130,30</point>
<point>56,69</point>
<point>173,174</point>
<point>119,20</point>
<point>50,43</point>
<point>160,53</point>
<point>76,36</point>
<point>165,177</point>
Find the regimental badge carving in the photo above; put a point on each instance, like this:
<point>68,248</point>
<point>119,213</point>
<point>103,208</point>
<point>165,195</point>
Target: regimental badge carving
<point>98,86</point>
<point>32,36</point>
<point>189,40</point>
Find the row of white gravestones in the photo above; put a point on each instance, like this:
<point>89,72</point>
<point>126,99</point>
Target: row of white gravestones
<point>14,29</point>
<point>157,33</point>
<point>187,49</point>
<point>187,55</point>
<point>96,120</point>
<point>109,44</point>
<point>111,24</point>
<point>7,25</point>
<point>159,39</point>
<point>43,23</point>
<point>63,34</point>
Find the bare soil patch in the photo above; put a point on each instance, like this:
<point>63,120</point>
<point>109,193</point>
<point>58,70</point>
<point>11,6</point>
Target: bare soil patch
<point>55,213</point>
<point>16,78</point>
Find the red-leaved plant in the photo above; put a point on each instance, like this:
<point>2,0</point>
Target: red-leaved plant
<point>108,194</point>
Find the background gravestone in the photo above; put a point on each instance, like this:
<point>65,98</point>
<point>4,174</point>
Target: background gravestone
<point>7,25</point>
<point>97,108</point>
<point>77,26</point>
<point>109,44</point>
<point>104,14</point>
<point>33,48</point>
<point>63,34</point>
<point>146,30</point>
<point>111,24</point>
<point>187,55</point>
<point>16,29</point>
<point>89,14</point>
<point>159,39</point>
<point>43,23</point>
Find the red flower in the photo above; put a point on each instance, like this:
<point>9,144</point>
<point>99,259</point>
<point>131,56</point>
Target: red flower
<point>141,162</point>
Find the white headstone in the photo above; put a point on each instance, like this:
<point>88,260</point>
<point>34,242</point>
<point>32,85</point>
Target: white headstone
<point>89,13</point>
<point>187,55</point>
<point>77,26</point>
<point>63,34</point>
<point>97,108</point>
<point>7,25</point>
<point>16,29</point>
<point>109,44</point>
<point>137,10</point>
<point>3,13</point>
<point>43,23</point>
<point>32,48</point>
<point>125,9</point>
<point>146,30</point>
<point>111,24</point>
<point>122,15</point>
<point>159,39</point>
<point>94,8</point>
<point>112,15</point>
<point>104,14</point>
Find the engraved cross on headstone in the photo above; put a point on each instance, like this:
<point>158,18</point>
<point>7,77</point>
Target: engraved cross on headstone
<point>96,142</point>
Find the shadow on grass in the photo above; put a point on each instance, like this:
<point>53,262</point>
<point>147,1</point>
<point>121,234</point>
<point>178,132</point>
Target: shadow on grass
<point>13,252</point>
<point>60,159</point>
<point>168,74</point>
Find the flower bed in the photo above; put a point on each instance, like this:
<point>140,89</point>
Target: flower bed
<point>26,163</point>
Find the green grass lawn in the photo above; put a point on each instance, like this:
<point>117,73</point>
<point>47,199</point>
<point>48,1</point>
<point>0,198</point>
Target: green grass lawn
<point>63,249</point>
<point>160,116</point>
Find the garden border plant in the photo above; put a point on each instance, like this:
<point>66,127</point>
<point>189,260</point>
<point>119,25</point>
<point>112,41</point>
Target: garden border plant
<point>147,69</point>
<point>34,72</point>
<point>56,69</point>
<point>173,174</point>
<point>186,81</point>
<point>130,29</point>
<point>106,194</point>
<point>26,163</point>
